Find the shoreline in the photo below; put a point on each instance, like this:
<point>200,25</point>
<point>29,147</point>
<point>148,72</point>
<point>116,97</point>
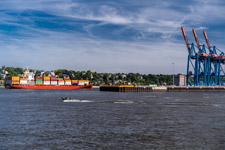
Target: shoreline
<point>164,89</point>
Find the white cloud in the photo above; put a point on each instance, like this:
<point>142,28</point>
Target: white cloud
<point>66,51</point>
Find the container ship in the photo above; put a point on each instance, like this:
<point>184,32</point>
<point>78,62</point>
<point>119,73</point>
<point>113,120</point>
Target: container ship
<point>28,81</point>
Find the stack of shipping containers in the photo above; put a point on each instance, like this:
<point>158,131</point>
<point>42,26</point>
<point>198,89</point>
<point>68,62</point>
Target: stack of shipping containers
<point>39,81</point>
<point>8,80</point>
<point>53,81</point>
<point>74,82</point>
<point>81,82</point>
<point>46,80</point>
<point>31,82</point>
<point>67,81</point>
<point>86,82</point>
<point>23,81</point>
<point>60,81</point>
<point>13,80</point>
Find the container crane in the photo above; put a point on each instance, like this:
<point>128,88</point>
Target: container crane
<point>202,56</point>
<point>186,40</point>
<point>207,41</point>
<point>203,61</point>
<point>211,59</point>
<point>196,39</point>
<point>216,60</point>
<point>192,56</point>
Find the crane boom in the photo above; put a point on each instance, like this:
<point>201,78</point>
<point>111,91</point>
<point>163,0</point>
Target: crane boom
<point>185,38</point>
<point>207,40</point>
<point>196,39</point>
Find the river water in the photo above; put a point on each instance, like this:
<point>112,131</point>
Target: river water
<point>38,119</point>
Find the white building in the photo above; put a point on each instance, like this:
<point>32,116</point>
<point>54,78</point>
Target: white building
<point>3,73</point>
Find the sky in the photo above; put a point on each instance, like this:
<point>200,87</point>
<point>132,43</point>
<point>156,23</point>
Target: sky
<point>139,36</point>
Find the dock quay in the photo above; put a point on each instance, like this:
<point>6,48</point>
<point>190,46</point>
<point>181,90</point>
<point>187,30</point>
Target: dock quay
<point>131,88</point>
<point>196,88</point>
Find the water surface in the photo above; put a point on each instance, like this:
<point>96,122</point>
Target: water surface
<point>38,119</point>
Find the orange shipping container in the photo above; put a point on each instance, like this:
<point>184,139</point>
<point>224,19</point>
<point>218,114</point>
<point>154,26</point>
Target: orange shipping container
<point>16,78</point>
<point>74,81</point>
<point>39,83</point>
<point>22,79</point>
<point>67,80</point>
<point>15,83</point>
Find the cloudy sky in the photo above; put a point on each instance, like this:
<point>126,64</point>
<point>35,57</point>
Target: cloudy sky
<point>106,35</point>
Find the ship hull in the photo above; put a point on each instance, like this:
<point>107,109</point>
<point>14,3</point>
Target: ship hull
<point>50,87</point>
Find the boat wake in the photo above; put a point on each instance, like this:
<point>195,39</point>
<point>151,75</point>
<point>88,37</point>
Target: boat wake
<point>123,102</point>
<point>88,101</point>
<point>76,101</point>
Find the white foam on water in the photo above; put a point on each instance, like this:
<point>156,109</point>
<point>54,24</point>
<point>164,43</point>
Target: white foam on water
<point>167,97</point>
<point>177,99</point>
<point>76,101</point>
<point>216,105</point>
<point>206,97</point>
<point>149,96</point>
<point>86,101</point>
<point>124,102</point>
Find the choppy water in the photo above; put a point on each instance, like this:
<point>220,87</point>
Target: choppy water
<point>38,119</point>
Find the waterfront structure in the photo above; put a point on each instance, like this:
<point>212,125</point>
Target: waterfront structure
<point>205,64</point>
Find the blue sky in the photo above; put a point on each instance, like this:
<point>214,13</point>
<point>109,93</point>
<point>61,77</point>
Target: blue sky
<point>106,35</point>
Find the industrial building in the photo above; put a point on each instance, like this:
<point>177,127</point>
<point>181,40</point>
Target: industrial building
<point>180,80</point>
